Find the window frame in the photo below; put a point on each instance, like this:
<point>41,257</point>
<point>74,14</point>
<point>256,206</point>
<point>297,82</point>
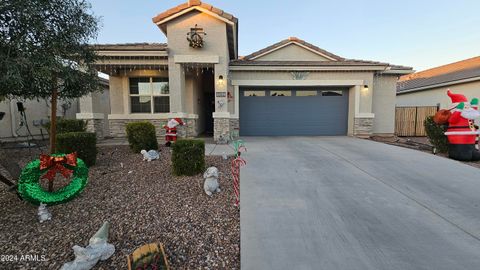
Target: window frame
<point>151,95</point>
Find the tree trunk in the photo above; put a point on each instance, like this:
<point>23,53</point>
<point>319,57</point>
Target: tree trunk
<point>53,125</point>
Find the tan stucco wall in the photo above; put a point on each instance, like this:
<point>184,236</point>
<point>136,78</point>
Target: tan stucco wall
<point>432,97</point>
<point>384,90</point>
<point>215,44</point>
<point>292,52</point>
<point>35,111</point>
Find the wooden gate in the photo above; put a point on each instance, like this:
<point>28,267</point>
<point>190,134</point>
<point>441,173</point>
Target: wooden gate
<point>409,120</point>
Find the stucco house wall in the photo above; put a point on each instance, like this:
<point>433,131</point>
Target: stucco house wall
<point>37,112</point>
<point>292,53</point>
<point>434,96</point>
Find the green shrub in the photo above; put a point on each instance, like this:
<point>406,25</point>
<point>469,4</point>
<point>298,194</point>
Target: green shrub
<point>435,134</point>
<point>188,157</point>
<point>84,143</point>
<point>68,125</point>
<point>141,136</point>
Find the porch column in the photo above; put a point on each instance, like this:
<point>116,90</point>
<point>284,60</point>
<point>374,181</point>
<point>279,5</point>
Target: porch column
<point>176,77</point>
<point>363,122</point>
<point>95,121</point>
<point>221,116</point>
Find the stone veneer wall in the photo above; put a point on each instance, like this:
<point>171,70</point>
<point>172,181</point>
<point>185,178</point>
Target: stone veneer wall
<point>117,127</point>
<point>363,127</point>
<point>97,126</point>
<point>223,127</point>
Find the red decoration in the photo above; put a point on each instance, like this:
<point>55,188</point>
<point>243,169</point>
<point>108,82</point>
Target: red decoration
<point>171,130</point>
<point>236,164</point>
<point>55,164</point>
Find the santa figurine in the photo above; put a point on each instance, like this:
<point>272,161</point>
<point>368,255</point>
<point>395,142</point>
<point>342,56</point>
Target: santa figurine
<point>171,130</point>
<point>462,132</point>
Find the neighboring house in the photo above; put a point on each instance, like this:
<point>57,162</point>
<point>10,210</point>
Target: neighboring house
<point>429,87</point>
<point>289,88</point>
<point>37,113</point>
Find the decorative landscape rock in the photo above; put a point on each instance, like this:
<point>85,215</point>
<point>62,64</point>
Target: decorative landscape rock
<point>150,155</point>
<point>43,213</point>
<point>97,249</point>
<point>211,181</point>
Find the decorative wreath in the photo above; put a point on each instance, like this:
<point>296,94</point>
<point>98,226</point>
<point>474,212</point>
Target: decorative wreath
<point>47,167</point>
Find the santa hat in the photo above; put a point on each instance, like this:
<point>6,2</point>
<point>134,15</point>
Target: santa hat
<point>456,98</point>
<point>179,121</point>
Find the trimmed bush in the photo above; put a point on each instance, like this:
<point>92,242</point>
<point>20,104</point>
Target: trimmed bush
<point>84,143</point>
<point>188,157</point>
<point>435,134</point>
<point>141,136</point>
<point>68,125</point>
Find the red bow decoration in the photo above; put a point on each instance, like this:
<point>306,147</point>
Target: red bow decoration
<point>56,165</point>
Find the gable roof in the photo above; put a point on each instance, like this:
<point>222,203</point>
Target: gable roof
<point>454,73</point>
<point>334,61</point>
<point>232,23</point>
<point>192,4</point>
<point>293,40</point>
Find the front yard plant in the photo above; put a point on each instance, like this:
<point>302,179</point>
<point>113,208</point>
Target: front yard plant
<point>141,136</point>
<point>69,125</point>
<point>435,134</point>
<point>84,143</point>
<point>188,157</point>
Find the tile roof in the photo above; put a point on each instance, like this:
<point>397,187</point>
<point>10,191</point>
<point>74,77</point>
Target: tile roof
<point>446,74</point>
<point>289,40</point>
<point>192,3</point>
<point>131,47</point>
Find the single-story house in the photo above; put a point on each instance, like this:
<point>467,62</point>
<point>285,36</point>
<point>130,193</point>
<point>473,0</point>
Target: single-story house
<point>289,88</point>
<point>429,87</point>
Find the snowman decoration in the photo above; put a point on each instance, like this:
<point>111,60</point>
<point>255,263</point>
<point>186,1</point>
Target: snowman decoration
<point>171,130</point>
<point>462,133</point>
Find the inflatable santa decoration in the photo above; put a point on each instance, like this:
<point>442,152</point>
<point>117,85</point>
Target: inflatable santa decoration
<point>462,132</point>
<point>171,130</point>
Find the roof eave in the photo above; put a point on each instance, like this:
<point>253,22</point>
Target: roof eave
<point>428,87</point>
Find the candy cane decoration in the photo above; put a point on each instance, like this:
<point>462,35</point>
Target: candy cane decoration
<point>236,164</point>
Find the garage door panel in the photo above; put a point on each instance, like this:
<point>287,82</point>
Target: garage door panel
<point>293,115</point>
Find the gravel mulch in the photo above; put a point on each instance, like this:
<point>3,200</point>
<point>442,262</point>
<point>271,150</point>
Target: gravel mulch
<point>417,143</point>
<point>143,202</point>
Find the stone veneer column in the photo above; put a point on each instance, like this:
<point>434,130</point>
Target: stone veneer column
<point>95,123</point>
<point>363,120</point>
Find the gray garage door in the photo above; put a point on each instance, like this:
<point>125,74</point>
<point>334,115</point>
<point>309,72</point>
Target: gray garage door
<point>286,112</point>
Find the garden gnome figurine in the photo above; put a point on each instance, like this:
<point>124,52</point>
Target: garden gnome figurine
<point>462,132</point>
<point>97,249</point>
<point>43,213</point>
<point>171,130</point>
<point>211,181</point>
<point>150,155</point>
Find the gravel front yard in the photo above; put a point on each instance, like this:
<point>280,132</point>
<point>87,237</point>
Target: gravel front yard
<point>143,206</point>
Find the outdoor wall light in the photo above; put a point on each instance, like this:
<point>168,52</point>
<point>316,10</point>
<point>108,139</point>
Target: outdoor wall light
<point>365,88</point>
<point>220,80</point>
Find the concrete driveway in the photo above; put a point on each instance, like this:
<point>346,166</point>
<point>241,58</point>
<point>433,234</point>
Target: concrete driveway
<point>347,203</point>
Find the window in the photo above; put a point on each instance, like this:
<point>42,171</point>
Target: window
<point>149,95</point>
<point>306,93</point>
<point>253,93</point>
<point>280,93</point>
<point>330,93</point>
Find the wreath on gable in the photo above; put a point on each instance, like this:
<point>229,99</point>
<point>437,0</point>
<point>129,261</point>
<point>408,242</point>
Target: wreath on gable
<point>47,167</point>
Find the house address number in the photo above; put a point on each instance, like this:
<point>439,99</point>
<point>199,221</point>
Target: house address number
<point>221,94</point>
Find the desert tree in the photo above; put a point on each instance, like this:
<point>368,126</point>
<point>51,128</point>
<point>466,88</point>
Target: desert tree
<point>45,52</point>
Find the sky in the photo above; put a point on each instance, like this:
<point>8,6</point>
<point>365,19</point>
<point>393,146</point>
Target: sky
<point>421,34</point>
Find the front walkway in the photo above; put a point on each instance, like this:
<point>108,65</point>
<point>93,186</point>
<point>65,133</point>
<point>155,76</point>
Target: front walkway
<point>346,203</point>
